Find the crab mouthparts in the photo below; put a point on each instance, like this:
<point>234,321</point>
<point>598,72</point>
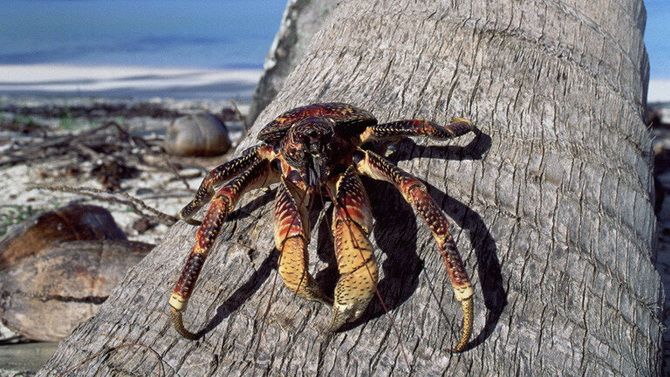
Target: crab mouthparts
<point>314,171</point>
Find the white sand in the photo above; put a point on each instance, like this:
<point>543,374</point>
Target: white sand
<point>157,187</point>
<point>659,90</point>
<point>65,78</point>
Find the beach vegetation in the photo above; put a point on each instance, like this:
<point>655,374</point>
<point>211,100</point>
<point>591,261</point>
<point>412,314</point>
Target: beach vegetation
<point>68,122</point>
<point>13,214</point>
<point>23,119</point>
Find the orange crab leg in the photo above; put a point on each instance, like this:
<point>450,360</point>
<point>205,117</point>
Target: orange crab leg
<point>414,192</point>
<point>291,239</point>
<point>221,174</point>
<point>352,222</point>
<point>416,127</point>
<point>258,174</point>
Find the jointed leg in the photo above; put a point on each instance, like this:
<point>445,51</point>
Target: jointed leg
<point>291,239</point>
<point>220,175</point>
<point>356,263</point>
<point>258,174</point>
<point>416,127</point>
<point>414,191</point>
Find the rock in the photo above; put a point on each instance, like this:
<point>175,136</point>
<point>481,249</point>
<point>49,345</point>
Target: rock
<point>228,114</point>
<point>44,296</point>
<point>200,134</point>
<point>70,223</point>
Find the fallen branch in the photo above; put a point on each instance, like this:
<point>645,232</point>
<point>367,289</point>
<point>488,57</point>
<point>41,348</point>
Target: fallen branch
<point>135,204</point>
<point>176,173</point>
<point>83,142</point>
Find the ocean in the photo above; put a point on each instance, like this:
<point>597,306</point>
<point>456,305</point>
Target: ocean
<point>135,48</point>
<point>69,44</point>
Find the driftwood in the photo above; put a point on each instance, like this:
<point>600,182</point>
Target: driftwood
<point>122,198</point>
<point>551,204</point>
<point>113,152</point>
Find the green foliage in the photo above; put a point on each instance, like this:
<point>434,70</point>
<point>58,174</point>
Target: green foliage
<point>68,122</point>
<point>13,214</point>
<point>23,119</point>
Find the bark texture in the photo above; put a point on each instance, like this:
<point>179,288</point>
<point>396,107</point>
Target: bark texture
<point>301,20</point>
<point>551,205</point>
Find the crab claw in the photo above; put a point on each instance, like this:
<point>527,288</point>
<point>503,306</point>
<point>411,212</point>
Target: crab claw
<point>358,278</point>
<point>347,307</point>
<point>345,313</point>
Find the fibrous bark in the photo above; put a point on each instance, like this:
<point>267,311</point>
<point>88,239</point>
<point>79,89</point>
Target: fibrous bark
<point>551,204</point>
<point>301,20</point>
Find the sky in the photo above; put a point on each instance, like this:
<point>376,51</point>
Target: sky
<point>657,38</point>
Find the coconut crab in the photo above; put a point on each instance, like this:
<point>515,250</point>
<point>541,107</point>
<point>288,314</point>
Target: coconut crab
<point>321,149</point>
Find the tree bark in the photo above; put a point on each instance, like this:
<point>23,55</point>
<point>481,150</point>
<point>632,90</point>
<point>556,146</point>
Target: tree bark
<point>301,20</point>
<point>551,204</point>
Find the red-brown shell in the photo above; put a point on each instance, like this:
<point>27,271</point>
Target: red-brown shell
<point>349,119</point>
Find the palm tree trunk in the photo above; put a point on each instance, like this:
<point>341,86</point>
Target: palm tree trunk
<point>551,204</point>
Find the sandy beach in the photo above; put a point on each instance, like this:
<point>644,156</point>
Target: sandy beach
<point>659,91</point>
<point>68,99</point>
<point>127,82</point>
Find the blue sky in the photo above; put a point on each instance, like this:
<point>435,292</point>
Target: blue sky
<point>657,37</point>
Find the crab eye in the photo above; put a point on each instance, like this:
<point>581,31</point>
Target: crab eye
<point>294,155</point>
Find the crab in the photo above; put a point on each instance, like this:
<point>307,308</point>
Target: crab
<point>321,150</point>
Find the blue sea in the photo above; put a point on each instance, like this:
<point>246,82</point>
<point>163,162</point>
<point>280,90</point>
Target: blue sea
<point>50,38</point>
<point>164,33</point>
<point>57,36</point>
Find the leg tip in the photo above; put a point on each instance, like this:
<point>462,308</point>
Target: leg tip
<point>177,302</point>
<point>339,320</point>
<point>187,218</point>
<point>343,314</point>
<point>460,126</point>
<point>461,120</point>
<point>178,323</point>
<point>468,315</point>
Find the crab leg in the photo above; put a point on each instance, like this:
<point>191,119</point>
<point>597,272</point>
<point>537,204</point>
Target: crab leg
<point>291,239</point>
<point>417,127</point>
<point>258,174</point>
<point>352,222</point>
<point>221,174</point>
<point>414,192</point>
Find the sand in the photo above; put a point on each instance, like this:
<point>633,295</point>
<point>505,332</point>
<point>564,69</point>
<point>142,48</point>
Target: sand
<point>127,82</point>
